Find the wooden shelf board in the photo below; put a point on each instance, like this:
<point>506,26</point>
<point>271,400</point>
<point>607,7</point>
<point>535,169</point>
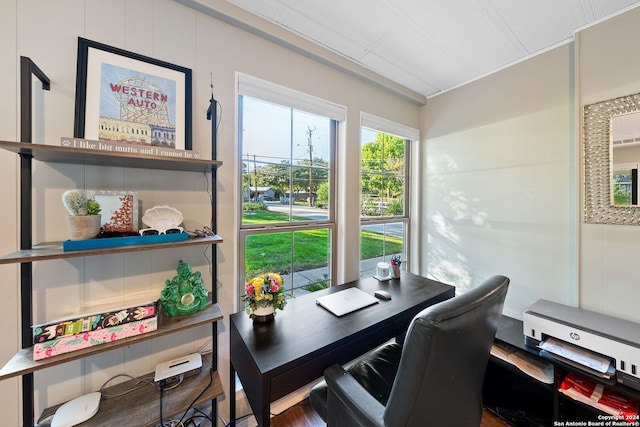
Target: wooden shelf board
<point>83,156</point>
<point>22,363</point>
<point>53,250</point>
<point>116,411</point>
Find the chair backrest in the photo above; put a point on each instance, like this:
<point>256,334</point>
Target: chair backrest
<point>444,359</point>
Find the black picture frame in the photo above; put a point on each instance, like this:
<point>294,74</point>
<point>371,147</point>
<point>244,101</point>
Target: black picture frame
<point>127,97</point>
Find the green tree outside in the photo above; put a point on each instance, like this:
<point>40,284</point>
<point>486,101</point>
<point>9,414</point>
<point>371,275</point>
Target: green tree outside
<point>382,176</point>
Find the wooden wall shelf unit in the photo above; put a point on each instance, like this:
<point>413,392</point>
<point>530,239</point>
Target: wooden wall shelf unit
<point>22,364</point>
<point>205,387</point>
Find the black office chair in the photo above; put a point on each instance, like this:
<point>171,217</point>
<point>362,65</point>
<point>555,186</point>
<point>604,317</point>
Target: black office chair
<point>433,379</point>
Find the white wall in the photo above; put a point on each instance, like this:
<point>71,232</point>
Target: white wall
<point>8,178</point>
<point>170,31</point>
<point>609,68</point>
<point>499,184</point>
<point>503,178</point>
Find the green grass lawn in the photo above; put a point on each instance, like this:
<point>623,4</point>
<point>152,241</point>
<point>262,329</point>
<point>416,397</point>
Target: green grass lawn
<point>272,251</point>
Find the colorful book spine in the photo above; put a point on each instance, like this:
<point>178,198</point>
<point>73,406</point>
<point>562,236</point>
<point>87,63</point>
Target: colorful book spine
<point>69,343</point>
<point>93,321</point>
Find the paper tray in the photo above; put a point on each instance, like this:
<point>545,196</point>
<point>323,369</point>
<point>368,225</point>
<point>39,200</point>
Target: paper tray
<point>112,242</point>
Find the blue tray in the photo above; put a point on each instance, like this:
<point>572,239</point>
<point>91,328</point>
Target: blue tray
<point>113,242</point>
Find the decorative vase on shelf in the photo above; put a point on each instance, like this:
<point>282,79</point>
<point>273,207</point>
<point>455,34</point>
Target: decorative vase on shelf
<point>82,227</point>
<point>263,313</point>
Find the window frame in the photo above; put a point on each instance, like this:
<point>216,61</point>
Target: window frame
<point>269,92</point>
<point>410,137</point>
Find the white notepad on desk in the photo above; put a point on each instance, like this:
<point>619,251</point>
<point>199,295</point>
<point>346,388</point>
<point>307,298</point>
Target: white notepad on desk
<point>346,301</point>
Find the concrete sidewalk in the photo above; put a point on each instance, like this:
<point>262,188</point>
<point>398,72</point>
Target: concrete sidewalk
<point>304,278</point>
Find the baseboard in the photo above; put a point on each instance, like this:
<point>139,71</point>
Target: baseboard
<point>291,399</point>
<point>244,415</point>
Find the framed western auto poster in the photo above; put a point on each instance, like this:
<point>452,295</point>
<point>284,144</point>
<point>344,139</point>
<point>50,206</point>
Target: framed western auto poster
<point>125,97</point>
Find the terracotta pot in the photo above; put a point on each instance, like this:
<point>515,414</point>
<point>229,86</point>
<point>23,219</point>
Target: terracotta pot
<point>82,227</point>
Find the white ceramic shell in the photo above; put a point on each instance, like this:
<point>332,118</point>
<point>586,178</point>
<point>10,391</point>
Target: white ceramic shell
<point>162,217</point>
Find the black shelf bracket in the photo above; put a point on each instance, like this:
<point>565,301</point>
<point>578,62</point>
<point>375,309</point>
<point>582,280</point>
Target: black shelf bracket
<point>27,70</point>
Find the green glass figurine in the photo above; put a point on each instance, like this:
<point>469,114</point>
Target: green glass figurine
<point>184,294</point>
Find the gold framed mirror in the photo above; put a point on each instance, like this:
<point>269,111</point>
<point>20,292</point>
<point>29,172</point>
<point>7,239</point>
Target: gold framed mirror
<point>599,207</point>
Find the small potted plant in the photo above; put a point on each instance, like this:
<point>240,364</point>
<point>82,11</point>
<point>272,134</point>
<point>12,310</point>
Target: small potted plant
<point>84,217</point>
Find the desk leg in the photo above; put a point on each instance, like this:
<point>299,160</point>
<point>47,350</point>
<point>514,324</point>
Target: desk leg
<point>260,401</point>
<point>232,393</point>
<point>263,415</point>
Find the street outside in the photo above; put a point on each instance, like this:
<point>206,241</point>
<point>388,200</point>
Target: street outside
<point>306,277</point>
<point>320,214</point>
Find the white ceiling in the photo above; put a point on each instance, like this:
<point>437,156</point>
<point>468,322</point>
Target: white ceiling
<point>431,46</point>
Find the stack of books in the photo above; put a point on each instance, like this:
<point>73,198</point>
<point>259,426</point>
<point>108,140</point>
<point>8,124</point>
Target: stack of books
<point>100,326</point>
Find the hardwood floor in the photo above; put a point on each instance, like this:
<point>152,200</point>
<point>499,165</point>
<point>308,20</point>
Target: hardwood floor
<point>302,415</point>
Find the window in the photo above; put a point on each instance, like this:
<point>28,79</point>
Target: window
<point>286,155</point>
<point>384,204</point>
<point>625,184</point>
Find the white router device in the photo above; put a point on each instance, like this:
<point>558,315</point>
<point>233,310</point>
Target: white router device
<point>77,410</point>
<point>185,366</point>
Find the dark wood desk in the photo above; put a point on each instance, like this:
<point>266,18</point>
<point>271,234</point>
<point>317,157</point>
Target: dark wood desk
<point>275,359</point>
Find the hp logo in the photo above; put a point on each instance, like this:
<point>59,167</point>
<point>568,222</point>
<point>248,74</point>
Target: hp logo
<point>574,336</point>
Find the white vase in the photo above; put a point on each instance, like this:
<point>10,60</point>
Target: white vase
<point>263,313</point>
<point>82,227</point>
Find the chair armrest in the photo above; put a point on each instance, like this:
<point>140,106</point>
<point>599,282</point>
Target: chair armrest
<point>347,398</point>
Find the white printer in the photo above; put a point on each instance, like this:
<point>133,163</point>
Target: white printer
<point>615,338</point>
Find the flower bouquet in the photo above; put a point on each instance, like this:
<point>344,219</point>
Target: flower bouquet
<point>263,295</point>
